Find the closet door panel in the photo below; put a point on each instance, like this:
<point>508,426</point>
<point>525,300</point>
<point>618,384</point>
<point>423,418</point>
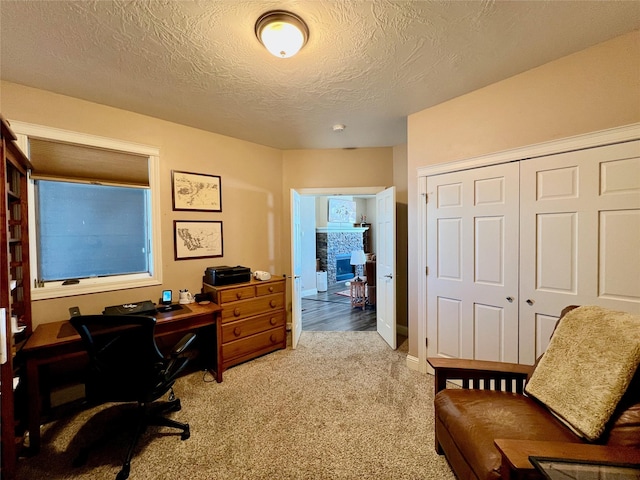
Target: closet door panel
<point>489,332</point>
<point>449,310</point>
<point>556,252</point>
<point>619,255</point>
<point>489,246</point>
<point>545,324</point>
<point>472,253</point>
<point>579,237</point>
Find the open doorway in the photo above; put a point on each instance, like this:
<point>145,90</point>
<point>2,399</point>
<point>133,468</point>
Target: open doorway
<point>385,255</point>
<point>329,250</point>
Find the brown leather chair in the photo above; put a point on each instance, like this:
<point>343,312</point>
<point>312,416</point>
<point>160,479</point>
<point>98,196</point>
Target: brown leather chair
<point>491,405</point>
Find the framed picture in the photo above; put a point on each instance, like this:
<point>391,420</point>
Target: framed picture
<point>196,191</point>
<point>343,211</point>
<point>197,239</point>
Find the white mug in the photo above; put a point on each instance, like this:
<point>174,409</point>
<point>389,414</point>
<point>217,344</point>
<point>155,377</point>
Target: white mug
<point>185,297</point>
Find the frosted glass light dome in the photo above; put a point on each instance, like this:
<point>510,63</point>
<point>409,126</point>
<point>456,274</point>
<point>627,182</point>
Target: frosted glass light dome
<point>282,33</point>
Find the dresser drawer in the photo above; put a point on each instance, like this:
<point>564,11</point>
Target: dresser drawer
<point>252,322</point>
<point>248,308</point>
<point>269,288</point>
<point>252,346</point>
<point>240,293</point>
<point>243,328</point>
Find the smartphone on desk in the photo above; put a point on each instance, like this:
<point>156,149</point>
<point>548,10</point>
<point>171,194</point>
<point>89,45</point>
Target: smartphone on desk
<point>167,297</point>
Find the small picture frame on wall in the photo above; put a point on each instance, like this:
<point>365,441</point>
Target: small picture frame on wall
<point>196,191</point>
<point>197,239</point>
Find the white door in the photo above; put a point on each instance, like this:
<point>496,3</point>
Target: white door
<point>386,265</point>
<point>296,267</point>
<point>580,237</point>
<point>472,259</point>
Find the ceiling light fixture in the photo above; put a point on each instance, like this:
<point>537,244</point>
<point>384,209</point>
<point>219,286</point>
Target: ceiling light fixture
<point>282,33</point>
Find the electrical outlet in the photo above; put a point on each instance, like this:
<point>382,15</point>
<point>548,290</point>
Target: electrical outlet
<point>74,311</point>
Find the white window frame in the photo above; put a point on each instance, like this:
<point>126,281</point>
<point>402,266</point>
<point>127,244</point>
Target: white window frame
<point>102,284</point>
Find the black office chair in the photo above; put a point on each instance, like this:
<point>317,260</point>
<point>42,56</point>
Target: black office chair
<point>125,365</point>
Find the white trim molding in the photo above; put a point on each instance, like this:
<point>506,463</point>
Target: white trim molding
<point>413,363</point>
<point>579,142</point>
<point>341,229</point>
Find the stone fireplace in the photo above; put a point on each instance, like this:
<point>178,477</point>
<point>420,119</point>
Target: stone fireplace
<point>335,244</point>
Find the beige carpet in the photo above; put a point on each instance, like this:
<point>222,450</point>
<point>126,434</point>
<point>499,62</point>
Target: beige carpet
<point>341,406</point>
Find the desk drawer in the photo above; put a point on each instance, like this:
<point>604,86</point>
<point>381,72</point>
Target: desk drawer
<point>253,346</point>
<point>243,328</point>
<point>248,308</point>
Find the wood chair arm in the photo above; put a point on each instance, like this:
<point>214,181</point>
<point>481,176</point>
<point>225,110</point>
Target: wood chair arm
<point>516,453</point>
<point>480,374</point>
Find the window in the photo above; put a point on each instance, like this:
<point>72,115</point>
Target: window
<point>94,218</point>
<point>86,230</point>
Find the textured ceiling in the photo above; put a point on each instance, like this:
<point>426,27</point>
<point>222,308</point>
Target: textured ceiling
<point>368,64</point>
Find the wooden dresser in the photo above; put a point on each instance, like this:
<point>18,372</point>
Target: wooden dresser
<point>253,319</point>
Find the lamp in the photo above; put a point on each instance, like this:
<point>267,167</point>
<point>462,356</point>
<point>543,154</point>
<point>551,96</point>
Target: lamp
<point>282,33</point>
<point>358,258</point>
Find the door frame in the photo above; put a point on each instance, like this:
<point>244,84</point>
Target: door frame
<point>325,191</point>
<point>579,142</point>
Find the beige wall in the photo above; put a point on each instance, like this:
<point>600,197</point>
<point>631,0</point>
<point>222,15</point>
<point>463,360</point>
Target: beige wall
<point>251,190</point>
<point>400,182</point>
<point>595,89</point>
<point>331,168</point>
<point>255,187</point>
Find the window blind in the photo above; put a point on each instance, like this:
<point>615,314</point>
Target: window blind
<point>54,160</point>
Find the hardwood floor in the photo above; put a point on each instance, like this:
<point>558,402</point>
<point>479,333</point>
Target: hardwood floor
<point>327,311</point>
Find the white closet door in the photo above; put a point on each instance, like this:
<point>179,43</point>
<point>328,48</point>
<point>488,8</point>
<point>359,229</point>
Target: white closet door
<point>579,237</point>
<point>472,256</point>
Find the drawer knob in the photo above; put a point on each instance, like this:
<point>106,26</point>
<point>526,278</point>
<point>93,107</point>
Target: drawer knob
<point>273,303</point>
<point>236,312</point>
<point>273,321</point>
<point>238,295</point>
<point>271,289</point>
<point>237,331</point>
<point>273,338</point>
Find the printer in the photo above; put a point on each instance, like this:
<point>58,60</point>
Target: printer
<point>225,275</point>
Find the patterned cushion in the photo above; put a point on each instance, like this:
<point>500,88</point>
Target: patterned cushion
<point>587,367</point>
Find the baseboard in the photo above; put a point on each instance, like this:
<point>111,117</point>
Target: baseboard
<point>308,293</point>
<point>413,363</point>
<point>402,330</point>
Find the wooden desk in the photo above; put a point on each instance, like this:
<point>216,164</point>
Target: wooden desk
<point>516,453</point>
<point>52,342</point>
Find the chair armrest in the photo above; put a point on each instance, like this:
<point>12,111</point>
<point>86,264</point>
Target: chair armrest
<point>516,453</point>
<point>176,362</point>
<point>183,344</point>
<point>501,376</point>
